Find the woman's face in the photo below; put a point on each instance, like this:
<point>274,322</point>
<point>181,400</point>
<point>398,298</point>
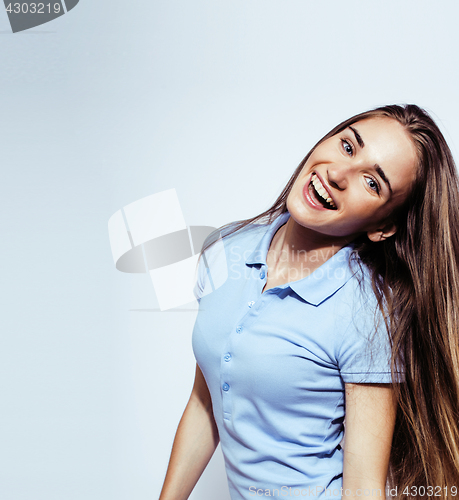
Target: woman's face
<point>365,172</point>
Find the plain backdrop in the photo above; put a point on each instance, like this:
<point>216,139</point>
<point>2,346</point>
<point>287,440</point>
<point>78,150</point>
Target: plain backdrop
<point>115,101</point>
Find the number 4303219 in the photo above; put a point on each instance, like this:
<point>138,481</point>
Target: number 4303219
<point>33,8</point>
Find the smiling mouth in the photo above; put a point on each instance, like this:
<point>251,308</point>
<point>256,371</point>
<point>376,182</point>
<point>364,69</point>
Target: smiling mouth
<point>320,194</point>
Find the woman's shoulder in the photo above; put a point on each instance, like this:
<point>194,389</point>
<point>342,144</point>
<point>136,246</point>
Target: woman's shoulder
<point>225,247</point>
<point>357,298</point>
<point>233,234</point>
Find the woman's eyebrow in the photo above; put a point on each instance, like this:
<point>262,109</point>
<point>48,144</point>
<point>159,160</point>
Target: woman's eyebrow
<point>383,176</point>
<point>378,169</point>
<point>357,137</point>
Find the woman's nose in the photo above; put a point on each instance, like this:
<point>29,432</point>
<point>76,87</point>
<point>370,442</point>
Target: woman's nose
<point>338,175</point>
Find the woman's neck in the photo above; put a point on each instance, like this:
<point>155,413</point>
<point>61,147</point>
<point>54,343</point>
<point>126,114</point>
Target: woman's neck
<point>296,250</point>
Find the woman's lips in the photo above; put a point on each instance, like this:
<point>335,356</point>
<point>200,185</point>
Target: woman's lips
<point>309,196</point>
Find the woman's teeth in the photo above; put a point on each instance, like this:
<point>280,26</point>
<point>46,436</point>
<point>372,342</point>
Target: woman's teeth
<point>321,190</point>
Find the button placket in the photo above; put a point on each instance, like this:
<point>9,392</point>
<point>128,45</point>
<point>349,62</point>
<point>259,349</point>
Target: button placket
<point>225,384</point>
<point>261,278</point>
<point>236,335</point>
<point>226,367</point>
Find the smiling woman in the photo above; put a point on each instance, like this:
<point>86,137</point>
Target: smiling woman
<point>345,174</point>
<point>339,318</point>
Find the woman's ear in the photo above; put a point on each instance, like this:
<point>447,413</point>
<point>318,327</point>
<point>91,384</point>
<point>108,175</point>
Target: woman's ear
<point>382,233</point>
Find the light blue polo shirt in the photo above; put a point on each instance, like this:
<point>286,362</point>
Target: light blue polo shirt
<point>276,363</point>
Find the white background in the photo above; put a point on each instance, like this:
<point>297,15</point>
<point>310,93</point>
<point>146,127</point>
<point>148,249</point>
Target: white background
<point>117,100</point>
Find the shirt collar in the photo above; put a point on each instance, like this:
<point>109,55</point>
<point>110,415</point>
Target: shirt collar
<point>258,256</point>
<point>319,285</point>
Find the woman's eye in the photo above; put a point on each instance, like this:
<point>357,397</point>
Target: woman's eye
<point>372,184</point>
<point>347,146</point>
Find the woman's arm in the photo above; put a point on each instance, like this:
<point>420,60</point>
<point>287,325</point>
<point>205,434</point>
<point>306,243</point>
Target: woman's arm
<point>369,427</point>
<point>194,443</point>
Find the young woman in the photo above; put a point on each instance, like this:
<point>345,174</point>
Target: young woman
<point>339,302</point>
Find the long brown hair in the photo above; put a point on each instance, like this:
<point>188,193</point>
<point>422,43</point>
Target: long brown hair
<point>415,277</point>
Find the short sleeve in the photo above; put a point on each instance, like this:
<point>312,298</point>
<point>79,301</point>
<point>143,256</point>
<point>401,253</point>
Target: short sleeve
<point>365,353</point>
